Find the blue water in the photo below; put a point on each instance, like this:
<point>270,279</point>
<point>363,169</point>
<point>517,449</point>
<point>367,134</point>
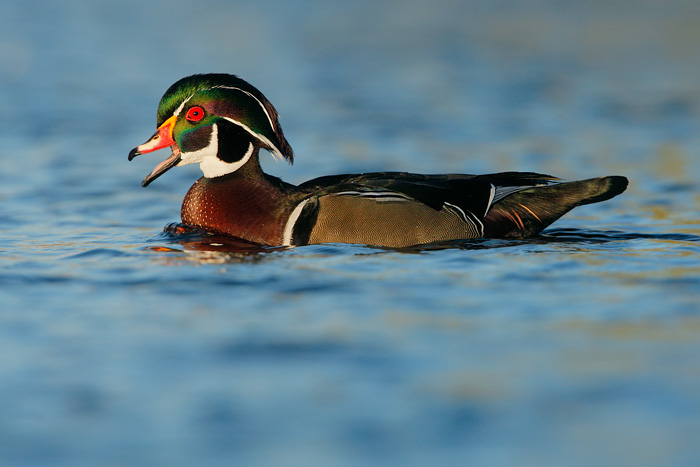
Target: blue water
<point>124,344</point>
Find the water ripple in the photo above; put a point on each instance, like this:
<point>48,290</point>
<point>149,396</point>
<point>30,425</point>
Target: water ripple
<point>593,236</point>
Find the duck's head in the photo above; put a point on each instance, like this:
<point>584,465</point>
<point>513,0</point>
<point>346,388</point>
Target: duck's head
<point>216,120</point>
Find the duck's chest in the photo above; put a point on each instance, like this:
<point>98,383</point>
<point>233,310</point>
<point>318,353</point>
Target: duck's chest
<point>243,209</point>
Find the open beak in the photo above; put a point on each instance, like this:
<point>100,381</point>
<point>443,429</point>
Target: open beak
<point>162,138</point>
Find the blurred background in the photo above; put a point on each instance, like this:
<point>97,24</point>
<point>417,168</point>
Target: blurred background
<point>580,348</point>
<point>560,82</point>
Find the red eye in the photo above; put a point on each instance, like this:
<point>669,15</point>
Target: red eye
<point>195,114</point>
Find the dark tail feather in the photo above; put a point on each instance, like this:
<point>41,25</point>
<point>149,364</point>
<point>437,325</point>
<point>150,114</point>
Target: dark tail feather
<point>528,212</point>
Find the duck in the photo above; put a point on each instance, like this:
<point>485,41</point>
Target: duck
<point>222,122</point>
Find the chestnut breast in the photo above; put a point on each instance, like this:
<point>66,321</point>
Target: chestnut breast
<point>250,209</point>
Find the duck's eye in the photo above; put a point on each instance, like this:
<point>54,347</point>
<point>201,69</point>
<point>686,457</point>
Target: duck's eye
<point>195,114</point>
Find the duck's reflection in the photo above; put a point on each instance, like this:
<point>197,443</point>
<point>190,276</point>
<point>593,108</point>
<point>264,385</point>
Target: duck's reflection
<point>208,247</point>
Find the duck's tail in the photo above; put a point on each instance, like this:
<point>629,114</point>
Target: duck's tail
<point>528,212</point>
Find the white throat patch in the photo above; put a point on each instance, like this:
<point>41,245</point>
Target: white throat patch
<point>209,161</point>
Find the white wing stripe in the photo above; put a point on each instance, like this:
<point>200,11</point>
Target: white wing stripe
<point>291,222</point>
<point>492,193</point>
<point>377,195</point>
<point>469,219</point>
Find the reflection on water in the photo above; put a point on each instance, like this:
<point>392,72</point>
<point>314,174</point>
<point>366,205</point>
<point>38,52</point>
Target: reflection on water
<point>121,343</point>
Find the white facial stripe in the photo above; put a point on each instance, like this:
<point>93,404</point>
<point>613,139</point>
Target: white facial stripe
<point>262,106</point>
<point>291,222</point>
<point>182,106</point>
<point>274,151</point>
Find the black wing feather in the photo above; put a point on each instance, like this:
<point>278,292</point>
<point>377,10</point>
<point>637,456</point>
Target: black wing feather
<point>471,193</point>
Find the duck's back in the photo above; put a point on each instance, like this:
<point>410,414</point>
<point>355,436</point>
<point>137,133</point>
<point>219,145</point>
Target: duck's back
<point>402,209</point>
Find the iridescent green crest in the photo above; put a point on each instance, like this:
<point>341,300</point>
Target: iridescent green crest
<point>229,97</point>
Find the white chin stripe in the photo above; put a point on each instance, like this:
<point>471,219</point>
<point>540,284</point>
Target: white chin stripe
<point>215,167</point>
<point>208,158</point>
<point>207,152</point>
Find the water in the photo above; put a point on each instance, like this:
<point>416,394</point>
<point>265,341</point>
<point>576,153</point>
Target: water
<point>121,344</point>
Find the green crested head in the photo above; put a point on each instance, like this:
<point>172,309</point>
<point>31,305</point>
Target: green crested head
<point>217,120</point>
<point>230,97</point>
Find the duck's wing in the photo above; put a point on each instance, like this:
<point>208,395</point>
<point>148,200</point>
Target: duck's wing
<point>391,209</point>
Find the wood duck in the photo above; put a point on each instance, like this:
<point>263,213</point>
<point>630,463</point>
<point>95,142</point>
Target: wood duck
<point>221,122</point>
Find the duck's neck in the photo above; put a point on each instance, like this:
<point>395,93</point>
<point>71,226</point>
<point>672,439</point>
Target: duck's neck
<point>247,204</point>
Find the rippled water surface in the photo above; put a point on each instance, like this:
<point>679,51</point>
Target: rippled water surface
<point>124,344</point>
